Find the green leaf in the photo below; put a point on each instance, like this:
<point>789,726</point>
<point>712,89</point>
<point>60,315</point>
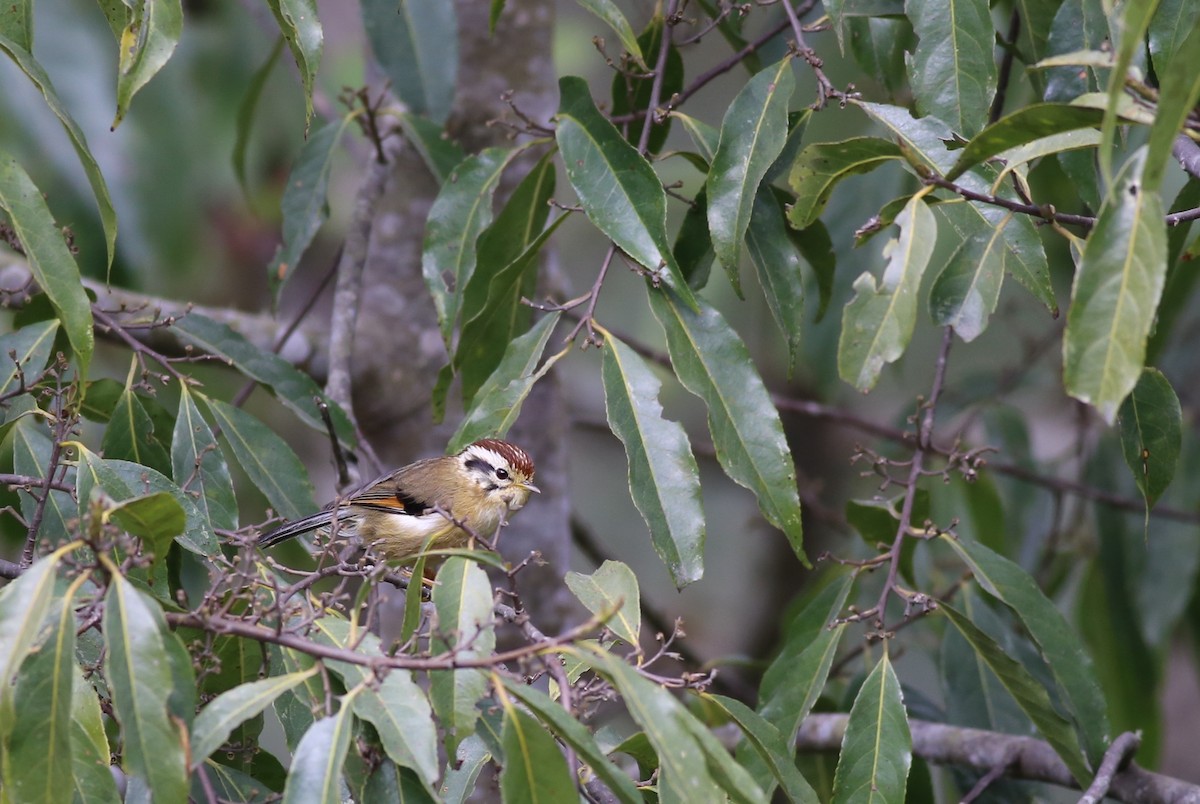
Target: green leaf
<point>1179,89</point>
<point>198,466</point>
<point>1026,691</point>
<point>151,31</point>
<point>663,477</point>
<point>771,745</point>
<point>953,69</point>
<point>218,719</point>
<point>577,736</point>
<point>21,54</point>
<point>713,363</point>
<point>877,747</point>
<point>1058,643</point>
<point>156,518</point>
<point>1117,288</point>
<point>439,153</point>
<point>753,133</point>
<point>32,346</point>
<point>395,706</point>
<point>1077,25</point>
<point>292,387</point>
<point>1131,33</point>
<point>612,592</point>
<point>29,437</point>
<point>461,212</point>
<point>611,16</point>
<point>24,605</point>
<point>965,292</point>
<point>777,260</point>
<point>706,138</point>
<point>1151,433</point>
<point>693,246</point>
<point>820,166</point>
<point>1174,20</point>
<point>140,677</point>
<point>37,760</point>
<point>316,774</point>
<point>497,404</point>
<point>245,113</point>
<point>305,206</point>
<point>300,26</point>
<point>462,598</point>
<point>90,754</point>
<point>267,459</point>
<point>459,780</point>
<point>534,768</point>
<point>1023,127</point>
<point>616,186</point>
<point>230,784</point>
<point>632,89</point>
<point>50,260</point>
<point>816,246</point>
<point>878,322</point>
<point>130,433</point>
<point>16,23</point>
<point>416,44</point>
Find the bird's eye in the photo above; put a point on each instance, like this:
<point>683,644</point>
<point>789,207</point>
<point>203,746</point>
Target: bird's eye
<point>502,474</point>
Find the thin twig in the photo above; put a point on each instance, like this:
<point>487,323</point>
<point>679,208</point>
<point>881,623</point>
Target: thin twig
<point>1117,754</point>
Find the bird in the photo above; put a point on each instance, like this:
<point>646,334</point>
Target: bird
<point>451,498</point>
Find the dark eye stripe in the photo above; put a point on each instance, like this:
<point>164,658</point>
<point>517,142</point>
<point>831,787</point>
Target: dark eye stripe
<point>480,465</point>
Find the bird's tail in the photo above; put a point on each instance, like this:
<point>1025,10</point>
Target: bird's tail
<point>288,530</point>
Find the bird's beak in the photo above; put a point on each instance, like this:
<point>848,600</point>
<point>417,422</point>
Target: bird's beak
<point>531,487</point>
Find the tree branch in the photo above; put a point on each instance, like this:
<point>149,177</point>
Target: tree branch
<point>1188,153</point>
<point>982,750</point>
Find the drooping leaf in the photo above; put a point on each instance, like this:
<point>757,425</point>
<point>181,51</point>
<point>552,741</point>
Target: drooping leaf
<point>32,449</point>
<point>612,590</point>
<point>140,675</point>
<point>966,290</point>
<point>693,245</point>
<point>706,138</point>
<point>21,54</point>
<point>877,747</point>
<point>90,753</point>
<point>31,346</point>
<point>1151,433</point>
<point>1131,33</point>
<point>878,322</point>
<point>713,363</point>
<point>820,166</point>
<point>156,518</point>
<point>611,15</point>
<point>1174,21</point>
<point>459,780</point>
<point>416,44</point>
<point>50,260</point>
<point>753,133</point>
<point>316,775</point>
<point>1179,89</point>
<point>771,746</point>
<point>198,466</point>
<point>1117,287</point>
<point>1024,126</point>
<point>16,23</point>
<point>439,153</point>
<point>24,604</point>
<point>663,477</point>
<point>632,89</point>
<point>462,597</point>
<point>461,212</point>
<point>245,114</point>
<point>776,260</point>
<point>301,28</point>
<point>953,69</point>
<point>266,458</point>
<point>618,189</point>
<point>151,31</point>
<point>305,207</point>
<point>1026,691</point>
<point>816,246</point>
<point>534,768</point>
<point>217,720</point>
<point>130,433</point>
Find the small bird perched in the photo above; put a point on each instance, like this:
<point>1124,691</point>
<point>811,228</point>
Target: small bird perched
<point>397,513</point>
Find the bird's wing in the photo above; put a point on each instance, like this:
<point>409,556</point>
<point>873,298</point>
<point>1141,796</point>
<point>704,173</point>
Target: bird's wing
<point>392,494</point>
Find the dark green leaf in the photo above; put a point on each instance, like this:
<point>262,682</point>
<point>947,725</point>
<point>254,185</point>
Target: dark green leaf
<point>707,138</point>
<point>1022,127</point>
<point>777,261</point>
<point>577,736</point>
<point>820,166</point>
<point>198,466</point>
<point>50,260</point>
<point>878,322</point>
<point>300,26</point>
<point>24,605</point>
<point>612,592</point>
<point>1117,288</point>
<point>877,748</point>
<point>21,54</point>
<point>1151,433</point>
<point>219,718</point>
<point>461,212</point>
<point>693,246</point>
<point>316,774</point>
<point>25,351</point>
<point>31,450</point>
<point>618,189</point>
<point>157,518</point>
<point>229,784</point>
<point>771,745</point>
<point>245,113</point>
<point>797,123</point>
<point>140,675</point>
<point>295,389</point>
<point>608,12</point>
<point>1131,20</point>
<point>632,89</point>
<point>953,70</point>
<point>817,248</point>
<point>439,153</point>
<point>880,46</point>
<point>1179,89</point>
<point>534,769</point>
<point>267,459</point>
<point>753,133</point>
<point>663,477</point>
<point>416,44</point>
<point>1059,645</point>
<point>1174,20</point>
<point>498,401</point>
<point>1026,691</point>
<point>305,207</point>
<point>90,753</point>
<point>150,33</point>
<point>965,292</point>
<point>713,363</point>
<point>462,598</point>
<point>130,433</point>
<point>497,8</point>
